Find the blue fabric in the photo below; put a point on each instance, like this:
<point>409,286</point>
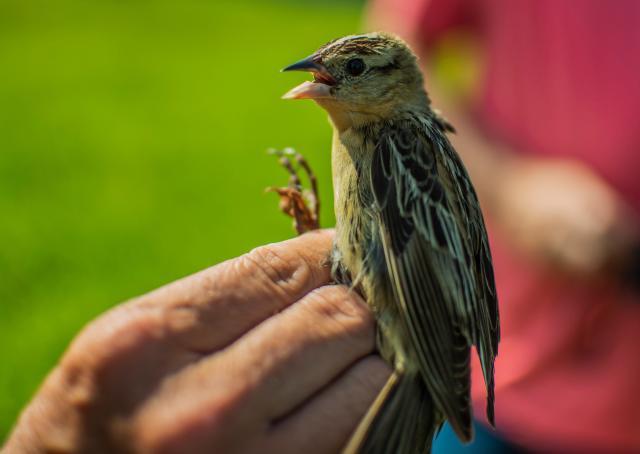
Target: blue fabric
<point>486,441</point>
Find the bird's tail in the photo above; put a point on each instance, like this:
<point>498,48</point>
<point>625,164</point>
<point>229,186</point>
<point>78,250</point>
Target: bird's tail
<point>401,420</point>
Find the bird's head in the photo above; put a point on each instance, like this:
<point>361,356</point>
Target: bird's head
<point>362,78</point>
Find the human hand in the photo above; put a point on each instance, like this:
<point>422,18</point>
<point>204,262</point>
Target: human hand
<point>257,354</point>
<point>562,214</point>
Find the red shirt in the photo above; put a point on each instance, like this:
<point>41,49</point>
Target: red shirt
<point>562,78</point>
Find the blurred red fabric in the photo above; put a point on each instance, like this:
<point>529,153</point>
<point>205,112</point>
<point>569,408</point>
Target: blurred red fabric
<point>561,78</point>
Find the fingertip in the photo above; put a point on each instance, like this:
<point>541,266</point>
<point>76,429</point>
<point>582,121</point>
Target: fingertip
<point>375,371</point>
<point>320,240</point>
<point>345,307</point>
<point>325,422</point>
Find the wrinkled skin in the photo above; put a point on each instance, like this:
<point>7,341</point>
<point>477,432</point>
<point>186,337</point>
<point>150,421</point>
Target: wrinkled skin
<point>257,353</point>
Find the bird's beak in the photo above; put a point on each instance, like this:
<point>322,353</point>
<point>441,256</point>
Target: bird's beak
<point>322,80</point>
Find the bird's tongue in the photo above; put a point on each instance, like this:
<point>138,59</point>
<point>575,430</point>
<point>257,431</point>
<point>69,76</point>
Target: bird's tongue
<point>308,90</point>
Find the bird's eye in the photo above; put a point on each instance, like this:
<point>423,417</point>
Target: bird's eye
<point>355,66</point>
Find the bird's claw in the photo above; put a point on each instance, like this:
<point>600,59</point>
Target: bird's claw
<point>300,204</point>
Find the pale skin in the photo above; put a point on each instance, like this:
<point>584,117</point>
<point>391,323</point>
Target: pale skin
<point>258,354</point>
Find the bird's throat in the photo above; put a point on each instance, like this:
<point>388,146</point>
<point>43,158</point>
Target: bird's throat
<point>344,118</point>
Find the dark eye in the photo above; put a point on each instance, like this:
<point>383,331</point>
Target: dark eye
<point>355,66</point>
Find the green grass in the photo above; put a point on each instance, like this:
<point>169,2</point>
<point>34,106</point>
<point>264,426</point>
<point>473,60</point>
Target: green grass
<point>132,152</point>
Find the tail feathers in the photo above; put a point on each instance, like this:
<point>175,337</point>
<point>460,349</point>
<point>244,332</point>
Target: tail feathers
<point>402,420</point>
<point>487,359</point>
<point>491,399</point>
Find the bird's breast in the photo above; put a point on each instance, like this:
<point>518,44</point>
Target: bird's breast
<point>356,235</point>
<point>350,224</point>
<point>359,246</point>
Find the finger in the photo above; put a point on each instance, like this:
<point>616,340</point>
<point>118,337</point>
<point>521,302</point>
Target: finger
<point>295,354</point>
<point>279,364</point>
<point>210,309</point>
<point>324,424</point>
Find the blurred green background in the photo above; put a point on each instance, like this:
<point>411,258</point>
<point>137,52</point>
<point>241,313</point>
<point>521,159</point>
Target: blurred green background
<point>132,152</point>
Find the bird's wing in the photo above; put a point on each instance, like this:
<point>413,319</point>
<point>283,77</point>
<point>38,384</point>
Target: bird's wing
<point>438,257</point>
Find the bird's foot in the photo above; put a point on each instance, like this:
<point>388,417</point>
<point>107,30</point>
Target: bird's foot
<point>303,205</point>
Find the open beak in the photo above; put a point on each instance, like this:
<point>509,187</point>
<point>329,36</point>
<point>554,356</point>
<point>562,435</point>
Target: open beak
<point>321,85</point>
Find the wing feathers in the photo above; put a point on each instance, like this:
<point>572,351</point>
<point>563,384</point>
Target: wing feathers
<point>438,257</point>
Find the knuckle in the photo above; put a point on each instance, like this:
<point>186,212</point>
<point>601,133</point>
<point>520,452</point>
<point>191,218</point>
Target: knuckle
<point>283,269</point>
<point>79,383</point>
<point>271,260</point>
<point>154,438</point>
<point>154,430</point>
<point>88,365</point>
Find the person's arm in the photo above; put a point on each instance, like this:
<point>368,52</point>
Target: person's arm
<point>556,211</point>
<point>257,354</point>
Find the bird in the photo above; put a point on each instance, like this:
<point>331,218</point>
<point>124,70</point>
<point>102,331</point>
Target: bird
<point>409,236</point>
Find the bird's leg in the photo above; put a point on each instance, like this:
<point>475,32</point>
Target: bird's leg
<point>312,195</point>
<point>300,204</point>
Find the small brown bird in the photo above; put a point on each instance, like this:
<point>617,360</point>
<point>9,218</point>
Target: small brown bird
<point>409,236</point>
